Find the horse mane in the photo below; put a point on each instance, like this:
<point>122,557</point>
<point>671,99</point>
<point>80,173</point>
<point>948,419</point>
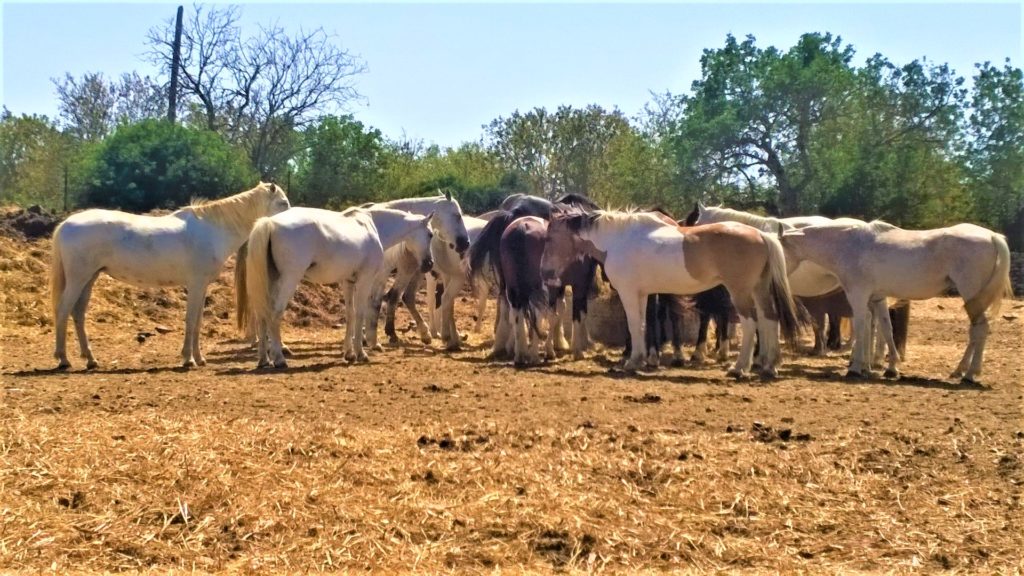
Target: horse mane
<point>761,222</point>
<point>879,226</point>
<point>621,220</point>
<point>237,212</point>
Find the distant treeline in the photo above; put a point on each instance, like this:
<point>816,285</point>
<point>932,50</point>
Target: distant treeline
<point>803,130</point>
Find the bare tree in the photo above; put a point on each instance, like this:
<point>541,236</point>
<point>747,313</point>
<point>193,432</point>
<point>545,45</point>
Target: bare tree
<point>257,91</point>
<point>91,107</point>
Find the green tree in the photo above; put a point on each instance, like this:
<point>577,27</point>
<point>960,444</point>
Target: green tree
<point>157,164</point>
<point>557,152</point>
<point>34,155</point>
<point>341,163</point>
<point>996,149</point>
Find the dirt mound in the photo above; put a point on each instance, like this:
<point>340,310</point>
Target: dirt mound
<point>24,296</point>
<point>31,223</point>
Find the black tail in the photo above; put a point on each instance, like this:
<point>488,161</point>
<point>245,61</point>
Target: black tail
<point>899,314</point>
<point>487,244</point>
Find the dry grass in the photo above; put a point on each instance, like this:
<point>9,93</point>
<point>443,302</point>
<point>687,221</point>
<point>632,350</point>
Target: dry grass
<point>422,462</point>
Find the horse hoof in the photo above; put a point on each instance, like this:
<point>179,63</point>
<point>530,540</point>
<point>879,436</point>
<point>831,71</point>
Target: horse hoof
<point>188,364</point>
<point>855,375</point>
<point>92,365</point>
<point>678,363</point>
<point>280,365</point>
<point>425,339</point>
<point>970,382</point>
<point>891,373</point>
<point>62,367</point>
<point>378,348</point>
<point>736,374</point>
<point>453,347</point>
<point>769,374</point>
<point>263,365</point>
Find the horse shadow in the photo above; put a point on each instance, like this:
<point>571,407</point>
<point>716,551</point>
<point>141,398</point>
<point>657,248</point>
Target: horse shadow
<point>99,371</point>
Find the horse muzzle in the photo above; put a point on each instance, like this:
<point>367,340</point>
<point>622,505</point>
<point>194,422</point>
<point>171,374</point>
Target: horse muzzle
<point>426,265</point>
<point>461,245</point>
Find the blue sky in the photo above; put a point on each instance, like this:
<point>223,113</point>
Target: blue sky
<point>437,72</point>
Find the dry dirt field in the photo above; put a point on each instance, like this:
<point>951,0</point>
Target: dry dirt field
<point>424,461</point>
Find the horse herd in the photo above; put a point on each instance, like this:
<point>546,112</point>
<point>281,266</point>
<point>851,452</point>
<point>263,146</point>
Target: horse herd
<point>533,249</point>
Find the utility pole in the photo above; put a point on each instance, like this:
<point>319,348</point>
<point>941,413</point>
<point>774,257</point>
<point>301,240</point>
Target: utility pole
<point>172,98</point>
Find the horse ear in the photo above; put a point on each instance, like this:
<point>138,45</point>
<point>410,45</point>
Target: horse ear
<point>699,206</point>
<point>448,195</point>
<point>427,219</point>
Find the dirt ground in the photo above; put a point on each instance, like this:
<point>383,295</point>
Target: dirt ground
<point>444,462</point>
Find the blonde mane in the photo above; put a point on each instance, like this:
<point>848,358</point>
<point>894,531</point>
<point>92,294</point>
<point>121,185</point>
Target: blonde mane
<point>879,226</point>
<point>617,221</point>
<point>237,212</point>
<point>767,223</point>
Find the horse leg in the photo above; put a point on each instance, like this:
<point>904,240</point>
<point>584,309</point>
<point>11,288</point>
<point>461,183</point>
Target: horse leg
<point>197,330</point>
<point>746,308</point>
<point>859,365</point>
<point>635,305</point>
<point>557,335</point>
<point>502,329</point>
<point>433,310</point>
<point>452,287</point>
<point>818,323</point>
<point>834,340</point>
<point>519,327</point>
<point>78,315</point>
<point>978,334</point>
<point>767,335</point>
<point>702,338</point>
<point>653,326</point>
<point>480,292</point>
<point>580,334</point>
<point>885,337</point>
<point>193,310</point>
<point>281,294</point>
<point>69,298</point>
<point>722,336</point>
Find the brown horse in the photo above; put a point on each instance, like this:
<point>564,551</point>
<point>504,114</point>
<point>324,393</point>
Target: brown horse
<point>642,255</point>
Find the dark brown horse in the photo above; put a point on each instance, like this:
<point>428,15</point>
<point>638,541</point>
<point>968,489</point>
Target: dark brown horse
<point>520,250</point>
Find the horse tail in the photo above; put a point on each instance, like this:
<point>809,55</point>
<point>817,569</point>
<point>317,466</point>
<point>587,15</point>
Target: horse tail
<point>58,279</point>
<point>260,270</point>
<point>487,243</point>
<point>781,295</point>
<point>899,316</point>
<point>243,319</point>
<point>998,286</point>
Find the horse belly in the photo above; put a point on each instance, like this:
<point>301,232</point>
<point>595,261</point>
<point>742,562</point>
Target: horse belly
<point>810,279</point>
<point>657,271</point>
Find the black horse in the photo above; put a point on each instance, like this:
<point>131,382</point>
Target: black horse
<point>485,255</point>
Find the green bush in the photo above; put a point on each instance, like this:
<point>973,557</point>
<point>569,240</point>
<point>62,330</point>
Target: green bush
<point>158,164</point>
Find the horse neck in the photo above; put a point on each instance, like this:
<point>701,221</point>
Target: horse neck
<point>420,206</point>
<point>392,226</point>
<point>235,214</point>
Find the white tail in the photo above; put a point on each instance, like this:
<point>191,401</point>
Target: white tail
<point>259,267</point>
<point>57,278</point>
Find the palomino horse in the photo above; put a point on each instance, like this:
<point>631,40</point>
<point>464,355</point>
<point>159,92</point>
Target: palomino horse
<point>806,279</point>
<point>451,240</point>
<point>186,248</point>
<point>323,247</point>
<point>642,255</point>
<point>878,260</point>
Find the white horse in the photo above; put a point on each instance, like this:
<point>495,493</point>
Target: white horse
<point>451,269</point>
<point>451,240</point>
<point>877,260</point>
<point>323,247</point>
<point>806,279</point>
<point>186,248</point>
<point>642,255</point>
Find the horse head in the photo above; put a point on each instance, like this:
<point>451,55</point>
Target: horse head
<point>562,245</point>
<point>418,243</point>
<point>449,225</point>
<point>276,199</point>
